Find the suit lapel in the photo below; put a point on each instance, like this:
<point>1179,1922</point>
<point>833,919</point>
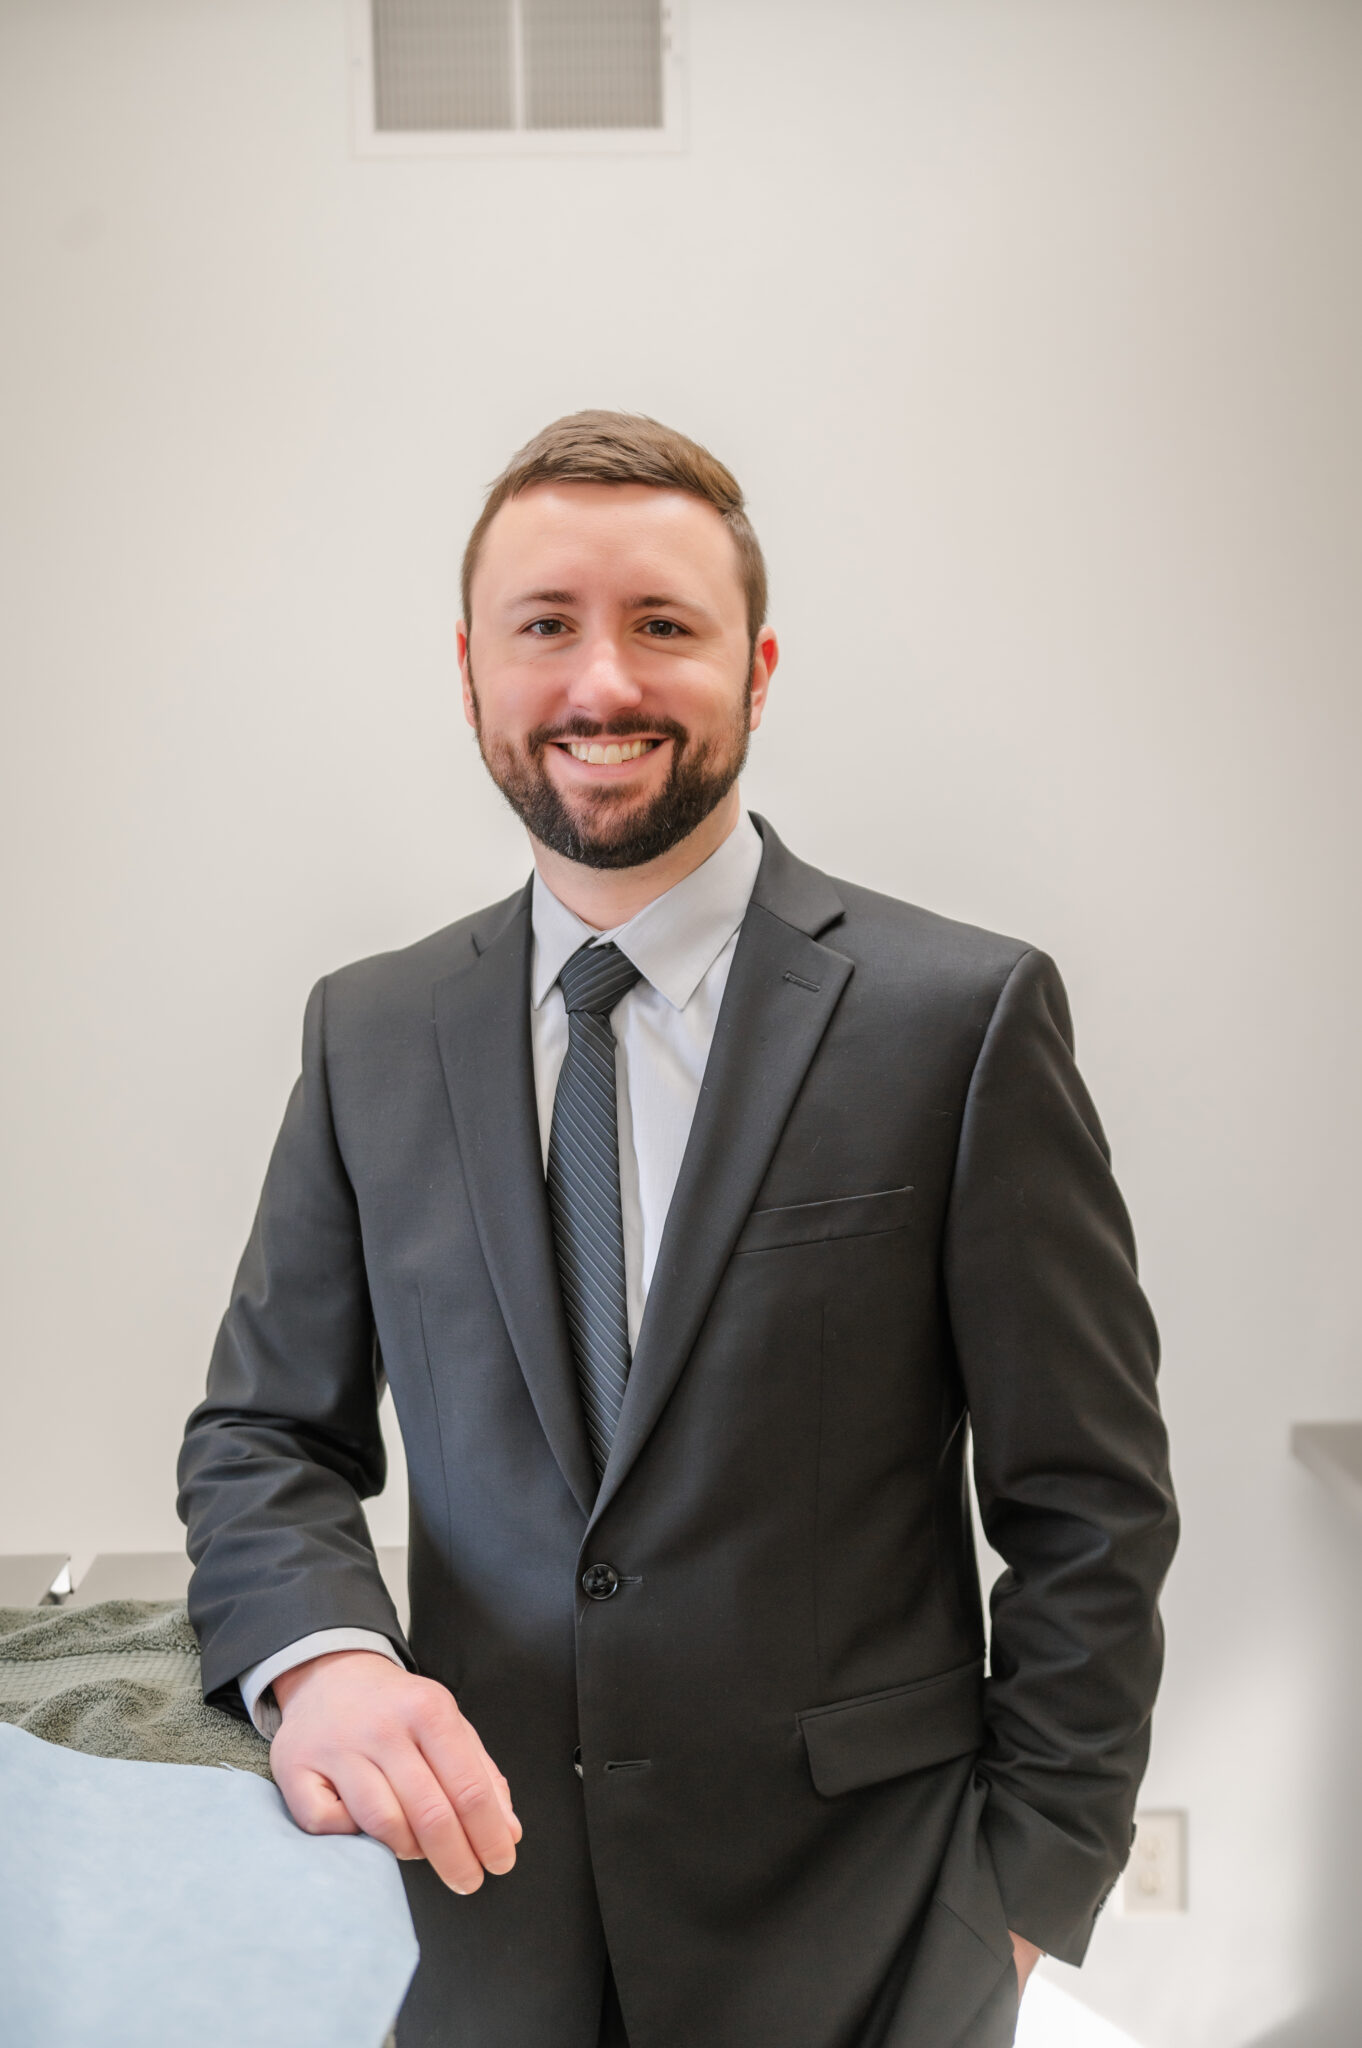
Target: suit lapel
<point>782,989</point>
<point>482,1021</point>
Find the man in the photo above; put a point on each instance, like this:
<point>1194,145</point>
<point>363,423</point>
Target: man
<point>694,1207</point>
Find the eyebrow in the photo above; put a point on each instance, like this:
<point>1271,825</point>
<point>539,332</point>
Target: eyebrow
<point>664,602</point>
<point>543,597</point>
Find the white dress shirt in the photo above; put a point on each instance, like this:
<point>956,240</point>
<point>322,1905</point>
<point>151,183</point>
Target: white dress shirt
<point>682,944</point>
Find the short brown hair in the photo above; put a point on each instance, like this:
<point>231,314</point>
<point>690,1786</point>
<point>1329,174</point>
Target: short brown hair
<point>626,448</point>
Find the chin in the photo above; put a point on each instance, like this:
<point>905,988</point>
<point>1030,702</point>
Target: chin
<point>605,813</point>
<point>606,842</point>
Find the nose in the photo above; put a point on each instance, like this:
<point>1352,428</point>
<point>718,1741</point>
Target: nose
<point>602,686</point>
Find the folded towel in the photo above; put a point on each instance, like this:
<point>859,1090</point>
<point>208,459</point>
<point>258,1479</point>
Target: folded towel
<point>149,1905</point>
<point>120,1678</point>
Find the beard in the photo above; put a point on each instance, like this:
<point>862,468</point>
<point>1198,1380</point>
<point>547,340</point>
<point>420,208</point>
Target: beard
<point>612,827</point>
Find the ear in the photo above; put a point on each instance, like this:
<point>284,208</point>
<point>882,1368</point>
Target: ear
<point>765,655</point>
<point>465,673</point>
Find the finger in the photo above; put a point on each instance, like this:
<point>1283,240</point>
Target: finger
<point>315,1804</point>
<point>432,1817</point>
<point>470,1781</point>
<point>475,1789</point>
<point>504,1794</point>
<point>498,1781</point>
<point>372,1803</point>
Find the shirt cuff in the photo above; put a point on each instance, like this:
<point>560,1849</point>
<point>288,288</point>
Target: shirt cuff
<point>256,1683</point>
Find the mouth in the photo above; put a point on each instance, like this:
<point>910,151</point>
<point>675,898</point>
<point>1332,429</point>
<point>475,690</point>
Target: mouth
<point>608,753</point>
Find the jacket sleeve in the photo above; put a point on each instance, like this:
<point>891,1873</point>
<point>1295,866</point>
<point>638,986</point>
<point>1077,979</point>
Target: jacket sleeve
<point>286,1444</point>
<point>1058,1354</point>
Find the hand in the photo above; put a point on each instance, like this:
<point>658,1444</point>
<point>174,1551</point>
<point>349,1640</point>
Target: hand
<point>1025,1955</point>
<point>366,1748</point>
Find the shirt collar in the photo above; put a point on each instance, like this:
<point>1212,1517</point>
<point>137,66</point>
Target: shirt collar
<point>675,939</point>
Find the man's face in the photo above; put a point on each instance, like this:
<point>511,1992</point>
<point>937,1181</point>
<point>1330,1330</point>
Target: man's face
<point>609,674</point>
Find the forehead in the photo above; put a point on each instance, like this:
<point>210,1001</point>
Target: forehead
<point>606,535</point>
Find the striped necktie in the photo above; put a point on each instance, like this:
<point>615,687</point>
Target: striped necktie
<point>584,1189</point>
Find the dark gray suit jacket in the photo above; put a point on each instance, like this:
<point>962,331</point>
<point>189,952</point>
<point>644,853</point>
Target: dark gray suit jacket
<point>803,1815</point>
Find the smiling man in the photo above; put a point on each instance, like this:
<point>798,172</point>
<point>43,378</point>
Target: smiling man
<point>699,1211</point>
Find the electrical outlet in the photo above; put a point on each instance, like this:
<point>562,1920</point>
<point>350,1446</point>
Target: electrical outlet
<point>1155,1879</point>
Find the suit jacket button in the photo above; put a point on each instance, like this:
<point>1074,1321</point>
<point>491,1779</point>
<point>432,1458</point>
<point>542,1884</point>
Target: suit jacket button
<point>599,1581</point>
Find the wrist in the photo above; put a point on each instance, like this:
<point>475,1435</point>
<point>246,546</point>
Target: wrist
<point>297,1677</point>
<point>1025,1955</point>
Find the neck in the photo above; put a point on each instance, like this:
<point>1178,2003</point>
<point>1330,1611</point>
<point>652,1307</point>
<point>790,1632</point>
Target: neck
<point>607,897</point>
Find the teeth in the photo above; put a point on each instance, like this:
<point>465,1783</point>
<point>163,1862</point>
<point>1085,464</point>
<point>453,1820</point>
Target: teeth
<point>609,756</point>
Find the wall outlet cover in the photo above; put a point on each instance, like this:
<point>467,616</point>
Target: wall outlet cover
<point>1155,1879</point>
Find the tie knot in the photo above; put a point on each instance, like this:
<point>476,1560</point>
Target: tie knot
<point>595,978</point>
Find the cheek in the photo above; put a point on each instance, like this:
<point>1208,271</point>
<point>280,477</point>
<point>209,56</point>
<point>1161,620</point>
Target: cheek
<point>514,698</point>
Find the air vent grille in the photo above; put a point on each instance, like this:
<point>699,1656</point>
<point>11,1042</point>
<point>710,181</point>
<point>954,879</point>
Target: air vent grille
<point>442,64</point>
<point>451,74</point>
<point>593,63</point>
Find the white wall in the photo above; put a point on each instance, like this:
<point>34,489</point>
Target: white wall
<point>1033,330</point>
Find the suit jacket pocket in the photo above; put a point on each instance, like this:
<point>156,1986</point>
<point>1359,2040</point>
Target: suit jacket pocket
<point>886,1734</point>
<point>812,1222</point>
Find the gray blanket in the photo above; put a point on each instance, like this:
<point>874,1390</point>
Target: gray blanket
<point>118,1679</point>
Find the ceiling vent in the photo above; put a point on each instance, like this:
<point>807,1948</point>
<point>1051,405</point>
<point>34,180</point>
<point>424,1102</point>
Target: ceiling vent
<point>516,77</point>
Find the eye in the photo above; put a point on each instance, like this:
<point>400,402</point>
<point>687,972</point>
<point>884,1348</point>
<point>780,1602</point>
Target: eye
<point>546,629</point>
<point>663,629</point>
